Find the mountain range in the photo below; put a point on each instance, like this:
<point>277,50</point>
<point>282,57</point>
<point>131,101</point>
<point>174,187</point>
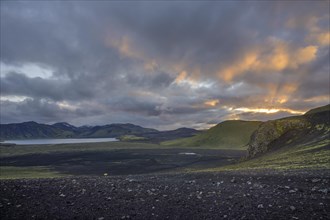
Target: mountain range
<point>34,130</point>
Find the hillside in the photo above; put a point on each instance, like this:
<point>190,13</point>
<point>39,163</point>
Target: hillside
<point>298,142</point>
<point>319,109</point>
<point>313,127</point>
<point>233,134</point>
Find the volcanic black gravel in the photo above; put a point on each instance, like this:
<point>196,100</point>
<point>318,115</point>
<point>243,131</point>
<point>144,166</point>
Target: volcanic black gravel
<point>226,195</point>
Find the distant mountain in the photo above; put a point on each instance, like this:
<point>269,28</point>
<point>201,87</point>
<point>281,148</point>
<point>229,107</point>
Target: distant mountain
<point>33,130</point>
<point>234,134</point>
<point>65,126</point>
<point>115,130</point>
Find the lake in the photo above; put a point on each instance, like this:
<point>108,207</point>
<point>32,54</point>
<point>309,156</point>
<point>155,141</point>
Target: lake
<point>59,141</point>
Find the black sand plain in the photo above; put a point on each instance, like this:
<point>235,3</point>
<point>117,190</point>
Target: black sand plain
<point>264,194</point>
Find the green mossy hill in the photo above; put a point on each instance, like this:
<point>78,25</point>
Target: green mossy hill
<point>309,155</point>
<point>290,131</point>
<point>234,134</point>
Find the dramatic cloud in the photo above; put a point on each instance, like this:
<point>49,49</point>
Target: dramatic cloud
<point>162,64</point>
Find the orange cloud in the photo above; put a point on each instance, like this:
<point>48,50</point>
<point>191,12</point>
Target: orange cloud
<point>181,77</point>
<point>279,94</point>
<point>322,38</point>
<point>150,65</point>
<point>126,48</point>
<point>211,103</point>
<point>315,33</point>
<point>277,58</point>
<point>305,55</point>
<point>316,99</point>
<point>268,110</point>
<point>239,67</point>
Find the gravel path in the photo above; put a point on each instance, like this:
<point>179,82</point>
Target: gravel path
<point>229,195</point>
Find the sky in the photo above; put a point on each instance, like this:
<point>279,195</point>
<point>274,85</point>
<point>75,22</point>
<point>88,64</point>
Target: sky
<point>162,64</point>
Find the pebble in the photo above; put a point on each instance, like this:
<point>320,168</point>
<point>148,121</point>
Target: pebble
<point>292,208</point>
<point>260,206</point>
<point>316,180</point>
<point>325,191</point>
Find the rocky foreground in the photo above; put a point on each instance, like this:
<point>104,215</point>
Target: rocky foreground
<point>226,195</point>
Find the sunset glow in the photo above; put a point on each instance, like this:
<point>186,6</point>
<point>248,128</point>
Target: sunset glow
<point>158,64</point>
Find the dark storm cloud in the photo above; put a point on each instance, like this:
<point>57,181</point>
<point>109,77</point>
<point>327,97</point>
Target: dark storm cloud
<point>156,80</point>
<point>315,82</point>
<point>29,108</point>
<point>161,64</point>
<point>20,84</point>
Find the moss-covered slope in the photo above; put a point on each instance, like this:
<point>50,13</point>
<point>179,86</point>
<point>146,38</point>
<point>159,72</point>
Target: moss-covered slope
<point>314,126</point>
<point>233,134</point>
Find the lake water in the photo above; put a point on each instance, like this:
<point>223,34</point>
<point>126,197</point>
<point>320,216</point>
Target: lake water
<point>59,141</point>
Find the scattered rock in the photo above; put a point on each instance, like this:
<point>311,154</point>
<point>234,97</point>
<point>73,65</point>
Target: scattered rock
<point>199,196</point>
<point>316,180</point>
<point>325,191</point>
<point>292,208</point>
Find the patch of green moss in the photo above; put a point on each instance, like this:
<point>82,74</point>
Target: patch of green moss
<point>131,138</point>
<point>8,172</point>
<point>319,127</point>
<point>311,156</point>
